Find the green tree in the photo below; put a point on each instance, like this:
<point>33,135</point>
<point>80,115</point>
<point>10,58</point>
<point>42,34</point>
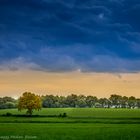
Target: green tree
<point>7,102</point>
<point>30,102</point>
<point>91,100</point>
<point>10,105</point>
<point>115,100</point>
<point>71,100</point>
<point>105,103</point>
<point>138,102</point>
<point>124,102</point>
<point>132,102</point>
<point>81,101</point>
<point>50,101</point>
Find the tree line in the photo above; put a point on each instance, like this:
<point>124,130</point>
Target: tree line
<point>8,102</point>
<point>78,101</point>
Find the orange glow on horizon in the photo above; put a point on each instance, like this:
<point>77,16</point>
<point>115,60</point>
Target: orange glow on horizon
<point>14,83</point>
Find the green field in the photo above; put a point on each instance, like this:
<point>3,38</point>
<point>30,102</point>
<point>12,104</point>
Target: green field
<point>80,124</point>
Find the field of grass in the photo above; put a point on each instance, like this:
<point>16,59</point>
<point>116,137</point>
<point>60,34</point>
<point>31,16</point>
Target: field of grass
<point>80,124</point>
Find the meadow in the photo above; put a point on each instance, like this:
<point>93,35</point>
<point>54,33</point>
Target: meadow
<point>80,124</point>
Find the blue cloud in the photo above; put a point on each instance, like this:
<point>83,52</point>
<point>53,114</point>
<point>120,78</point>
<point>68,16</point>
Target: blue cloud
<point>62,35</point>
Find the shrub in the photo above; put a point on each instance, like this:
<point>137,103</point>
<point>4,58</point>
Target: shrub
<point>64,115</point>
<point>8,114</point>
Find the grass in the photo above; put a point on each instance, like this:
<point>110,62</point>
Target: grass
<point>78,131</point>
<point>81,124</point>
<point>83,112</point>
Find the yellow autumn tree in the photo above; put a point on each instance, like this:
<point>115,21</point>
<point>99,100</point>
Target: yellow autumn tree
<point>29,101</point>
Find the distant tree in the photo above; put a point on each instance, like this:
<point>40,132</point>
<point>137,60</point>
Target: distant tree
<point>49,101</point>
<point>132,102</point>
<point>29,101</point>
<point>62,101</point>
<point>91,100</point>
<point>98,105</point>
<point>10,105</point>
<point>7,102</point>
<point>124,102</point>
<point>105,103</point>
<point>8,99</point>
<point>81,101</point>
<point>71,100</point>
<point>1,103</point>
<point>115,100</point>
<point>138,103</point>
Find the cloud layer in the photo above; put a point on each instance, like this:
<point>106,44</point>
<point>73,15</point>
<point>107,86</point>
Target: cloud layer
<point>63,35</point>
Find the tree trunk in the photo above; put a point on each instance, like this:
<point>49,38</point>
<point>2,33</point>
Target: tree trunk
<point>29,112</point>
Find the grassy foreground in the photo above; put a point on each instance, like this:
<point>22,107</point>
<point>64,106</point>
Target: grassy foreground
<point>81,124</point>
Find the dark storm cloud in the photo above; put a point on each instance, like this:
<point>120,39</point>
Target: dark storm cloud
<point>63,35</point>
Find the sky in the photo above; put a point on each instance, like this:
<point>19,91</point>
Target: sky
<point>70,46</point>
